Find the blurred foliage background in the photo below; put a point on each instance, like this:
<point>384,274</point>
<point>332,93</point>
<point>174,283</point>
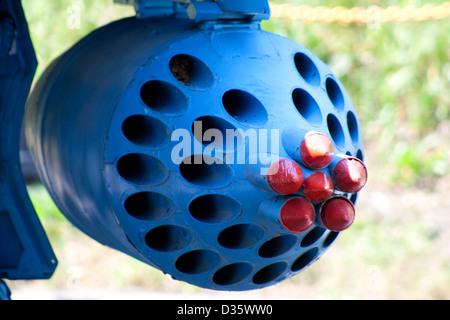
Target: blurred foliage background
<point>398,76</point>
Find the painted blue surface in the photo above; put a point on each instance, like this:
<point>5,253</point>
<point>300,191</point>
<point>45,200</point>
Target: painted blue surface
<point>104,120</point>
<point>25,252</point>
<point>5,293</point>
<point>201,10</point>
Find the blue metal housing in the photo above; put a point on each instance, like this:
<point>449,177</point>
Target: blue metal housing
<point>25,252</point>
<point>103,123</point>
<point>202,10</point>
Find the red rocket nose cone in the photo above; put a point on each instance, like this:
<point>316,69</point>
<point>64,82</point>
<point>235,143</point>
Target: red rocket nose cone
<point>318,187</point>
<point>350,175</point>
<point>316,150</point>
<point>285,176</point>
<point>297,215</point>
<point>337,214</point>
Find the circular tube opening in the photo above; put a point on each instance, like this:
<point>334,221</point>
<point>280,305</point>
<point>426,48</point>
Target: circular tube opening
<point>190,71</point>
<point>312,237</point>
<point>336,131</point>
<point>269,273</point>
<point>360,155</point>
<point>146,131</point>
<point>212,132</point>
<point>205,171</point>
<point>198,261</point>
<point>277,246</point>
<point>232,273</point>
<point>244,107</point>
<point>307,106</point>
<point>240,236</point>
<point>330,239</point>
<point>163,97</point>
<point>168,238</point>
<point>142,169</point>
<point>335,94</point>
<point>214,208</point>
<point>352,125</point>
<point>304,260</point>
<point>149,206</point>
<point>307,69</point>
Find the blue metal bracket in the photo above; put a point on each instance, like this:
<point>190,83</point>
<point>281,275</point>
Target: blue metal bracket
<point>25,252</point>
<point>203,10</point>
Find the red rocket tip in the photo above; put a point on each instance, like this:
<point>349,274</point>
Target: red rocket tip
<point>297,215</point>
<point>285,176</point>
<point>350,175</point>
<point>316,150</point>
<point>337,214</point>
<point>318,187</point>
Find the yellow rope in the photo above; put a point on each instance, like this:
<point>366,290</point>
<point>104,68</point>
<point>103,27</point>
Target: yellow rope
<point>360,15</point>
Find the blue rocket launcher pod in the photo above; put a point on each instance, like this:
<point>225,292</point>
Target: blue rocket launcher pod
<point>110,126</point>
